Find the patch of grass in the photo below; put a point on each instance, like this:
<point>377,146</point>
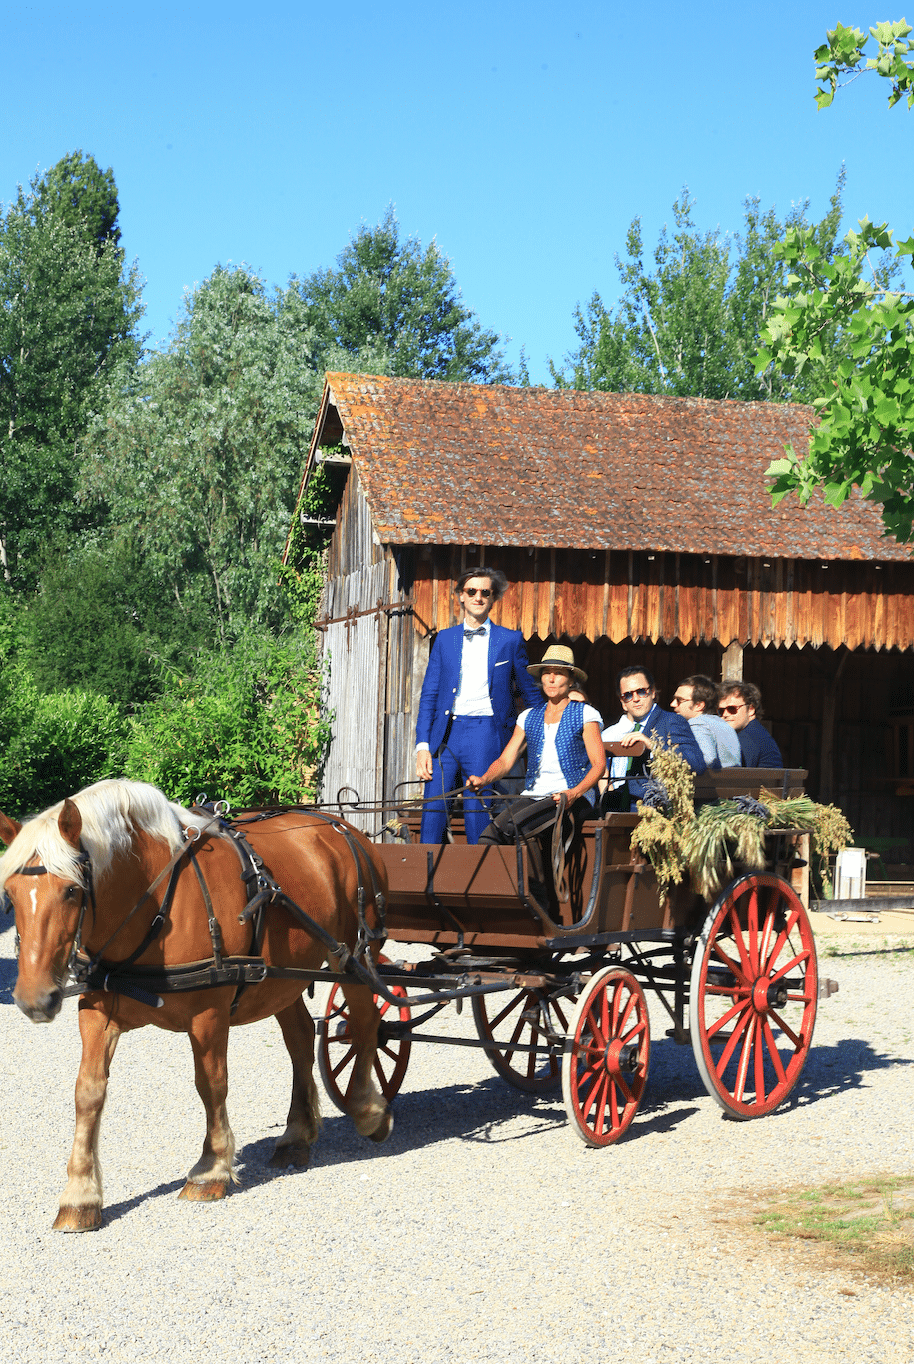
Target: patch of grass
<point>868,1223</point>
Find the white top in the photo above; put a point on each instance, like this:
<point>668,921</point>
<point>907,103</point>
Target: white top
<point>619,766</point>
<point>550,777</point>
<point>473,693</point>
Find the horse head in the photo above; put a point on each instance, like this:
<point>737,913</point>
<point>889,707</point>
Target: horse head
<point>48,909</point>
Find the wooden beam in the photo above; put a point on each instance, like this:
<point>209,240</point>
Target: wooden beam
<point>731,669</point>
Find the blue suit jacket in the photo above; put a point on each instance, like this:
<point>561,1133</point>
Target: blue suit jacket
<point>676,731</point>
<point>507,669</point>
<point>757,746</point>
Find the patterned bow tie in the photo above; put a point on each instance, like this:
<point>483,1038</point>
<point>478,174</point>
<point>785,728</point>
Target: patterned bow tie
<point>468,634</point>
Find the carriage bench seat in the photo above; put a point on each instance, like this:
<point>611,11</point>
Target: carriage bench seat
<point>749,781</point>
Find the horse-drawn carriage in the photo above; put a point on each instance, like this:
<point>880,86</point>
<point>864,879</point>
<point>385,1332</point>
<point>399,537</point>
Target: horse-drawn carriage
<point>558,993</point>
<point>196,921</point>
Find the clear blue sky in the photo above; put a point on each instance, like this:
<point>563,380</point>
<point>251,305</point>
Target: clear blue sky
<point>524,137</point>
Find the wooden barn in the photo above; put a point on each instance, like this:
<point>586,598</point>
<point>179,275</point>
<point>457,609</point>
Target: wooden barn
<point>637,529</point>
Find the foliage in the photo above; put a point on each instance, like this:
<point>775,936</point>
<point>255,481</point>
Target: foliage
<point>53,745</point>
<point>657,833</point>
<point>690,327</point>
<point>245,727</point>
<point>304,572</point>
<point>724,837</point>
<point>196,457</point>
<point>69,310</point>
<point>866,404</point>
<point>842,52</point>
<point>395,300</point>
<point>98,622</point>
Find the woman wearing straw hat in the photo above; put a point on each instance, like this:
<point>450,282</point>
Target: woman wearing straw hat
<point>565,758</point>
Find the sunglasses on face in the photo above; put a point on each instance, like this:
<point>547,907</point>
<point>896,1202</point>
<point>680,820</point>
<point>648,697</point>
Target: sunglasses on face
<point>680,700</point>
<point>638,691</point>
<point>732,710</point>
<point>477,592</point>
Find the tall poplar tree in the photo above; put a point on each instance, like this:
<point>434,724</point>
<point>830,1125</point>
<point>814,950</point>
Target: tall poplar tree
<point>69,312</point>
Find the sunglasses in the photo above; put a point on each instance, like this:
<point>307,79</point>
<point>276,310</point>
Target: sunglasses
<point>478,591</point>
<point>638,691</point>
<point>732,710</point>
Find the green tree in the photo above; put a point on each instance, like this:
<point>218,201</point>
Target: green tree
<point>196,455</point>
<point>399,301</point>
<point>690,326</point>
<point>865,431</point>
<point>69,310</point>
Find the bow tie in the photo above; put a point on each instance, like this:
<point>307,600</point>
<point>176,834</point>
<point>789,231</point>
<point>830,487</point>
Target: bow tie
<point>468,634</point>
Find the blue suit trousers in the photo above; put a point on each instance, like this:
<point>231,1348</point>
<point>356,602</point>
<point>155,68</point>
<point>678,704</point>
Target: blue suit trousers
<point>473,743</point>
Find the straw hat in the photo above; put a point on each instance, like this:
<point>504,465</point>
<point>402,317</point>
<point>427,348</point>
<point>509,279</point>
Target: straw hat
<point>557,656</point>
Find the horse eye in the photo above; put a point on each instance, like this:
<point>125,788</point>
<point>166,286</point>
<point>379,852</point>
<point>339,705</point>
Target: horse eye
<point>71,892</point>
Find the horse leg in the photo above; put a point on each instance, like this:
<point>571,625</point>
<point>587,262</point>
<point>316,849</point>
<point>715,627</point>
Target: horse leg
<point>366,1104</point>
<point>209,1179</point>
<point>304,1120</point>
<point>81,1200</point>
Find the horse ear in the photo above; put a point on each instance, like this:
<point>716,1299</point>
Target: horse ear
<point>70,822</point>
<point>9,828</point>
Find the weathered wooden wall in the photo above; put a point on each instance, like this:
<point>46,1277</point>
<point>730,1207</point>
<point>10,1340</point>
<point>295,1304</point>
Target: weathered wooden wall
<point>680,597</point>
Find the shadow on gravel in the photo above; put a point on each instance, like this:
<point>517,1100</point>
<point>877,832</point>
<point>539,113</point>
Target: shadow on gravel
<point>115,1211</point>
<point>7,958</point>
<point>829,1070</point>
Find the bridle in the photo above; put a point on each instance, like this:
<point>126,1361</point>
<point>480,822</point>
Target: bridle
<point>87,886</point>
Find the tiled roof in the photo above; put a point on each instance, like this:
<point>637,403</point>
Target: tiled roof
<point>469,464</point>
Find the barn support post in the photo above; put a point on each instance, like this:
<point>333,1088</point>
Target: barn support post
<point>731,669</point>
<point>829,714</point>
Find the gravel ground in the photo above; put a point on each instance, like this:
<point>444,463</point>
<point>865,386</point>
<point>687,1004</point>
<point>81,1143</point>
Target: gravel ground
<point>484,1229</point>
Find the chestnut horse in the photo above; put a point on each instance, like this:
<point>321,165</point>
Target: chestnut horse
<point>89,870</point>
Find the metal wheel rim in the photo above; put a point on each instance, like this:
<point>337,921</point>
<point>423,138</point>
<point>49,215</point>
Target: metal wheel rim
<point>507,1028</point>
<point>751,1049</point>
<point>336,1055</point>
<point>600,1102</point>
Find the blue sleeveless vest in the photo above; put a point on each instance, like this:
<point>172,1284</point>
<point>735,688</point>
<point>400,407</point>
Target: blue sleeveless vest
<point>569,745</point>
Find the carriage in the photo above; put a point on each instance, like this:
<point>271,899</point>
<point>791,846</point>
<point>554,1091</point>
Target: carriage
<point>558,994</point>
<point>233,917</point>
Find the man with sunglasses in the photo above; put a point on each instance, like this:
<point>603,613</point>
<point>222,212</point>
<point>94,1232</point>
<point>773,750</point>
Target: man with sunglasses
<point>466,710</point>
<point>643,724</point>
<point>740,705</point>
<point>696,702</point>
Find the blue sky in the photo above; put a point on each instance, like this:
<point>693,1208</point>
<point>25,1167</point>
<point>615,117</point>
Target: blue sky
<point>524,137</point>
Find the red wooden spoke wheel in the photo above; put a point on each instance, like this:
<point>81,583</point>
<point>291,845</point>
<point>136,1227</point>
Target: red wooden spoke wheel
<point>753,995</point>
<point>607,1052</point>
<point>515,1020</point>
<point>336,1053</point>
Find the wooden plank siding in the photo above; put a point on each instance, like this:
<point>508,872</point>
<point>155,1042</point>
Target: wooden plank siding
<point>569,594</point>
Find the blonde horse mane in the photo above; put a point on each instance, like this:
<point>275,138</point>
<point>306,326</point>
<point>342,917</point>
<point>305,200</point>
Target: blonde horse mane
<point>112,813</point>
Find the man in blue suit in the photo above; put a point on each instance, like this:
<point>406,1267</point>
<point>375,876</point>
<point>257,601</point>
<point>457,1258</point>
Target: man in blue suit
<point>643,723</point>
<point>466,711</point>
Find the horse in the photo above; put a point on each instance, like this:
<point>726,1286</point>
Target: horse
<point>102,880</point>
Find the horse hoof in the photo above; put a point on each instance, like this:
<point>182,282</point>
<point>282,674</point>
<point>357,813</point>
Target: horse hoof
<point>384,1127</point>
<point>210,1192</point>
<point>298,1155</point>
<point>88,1218</point>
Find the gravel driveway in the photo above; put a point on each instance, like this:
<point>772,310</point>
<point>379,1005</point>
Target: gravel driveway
<point>482,1230</point>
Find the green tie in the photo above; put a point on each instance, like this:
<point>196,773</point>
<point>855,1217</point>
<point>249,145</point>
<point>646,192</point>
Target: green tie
<point>628,765</point>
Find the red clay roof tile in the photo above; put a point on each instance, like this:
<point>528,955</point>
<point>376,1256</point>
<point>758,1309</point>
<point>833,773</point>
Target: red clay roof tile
<point>444,463</point>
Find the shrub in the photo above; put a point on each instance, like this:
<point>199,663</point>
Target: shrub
<point>52,746</point>
<point>245,727</point>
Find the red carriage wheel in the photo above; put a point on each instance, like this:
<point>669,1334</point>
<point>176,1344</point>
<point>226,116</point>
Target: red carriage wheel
<point>506,1022</point>
<point>753,995</point>
<point>604,1068</point>
<point>336,1054</point>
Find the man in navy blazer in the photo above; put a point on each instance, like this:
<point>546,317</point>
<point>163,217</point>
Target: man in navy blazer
<point>466,710</point>
<point>643,723</point>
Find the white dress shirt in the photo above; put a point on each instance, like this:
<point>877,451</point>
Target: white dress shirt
<point>473,697</point>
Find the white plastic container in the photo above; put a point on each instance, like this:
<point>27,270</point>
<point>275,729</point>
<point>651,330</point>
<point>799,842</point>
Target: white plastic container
<point>850,874</point>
